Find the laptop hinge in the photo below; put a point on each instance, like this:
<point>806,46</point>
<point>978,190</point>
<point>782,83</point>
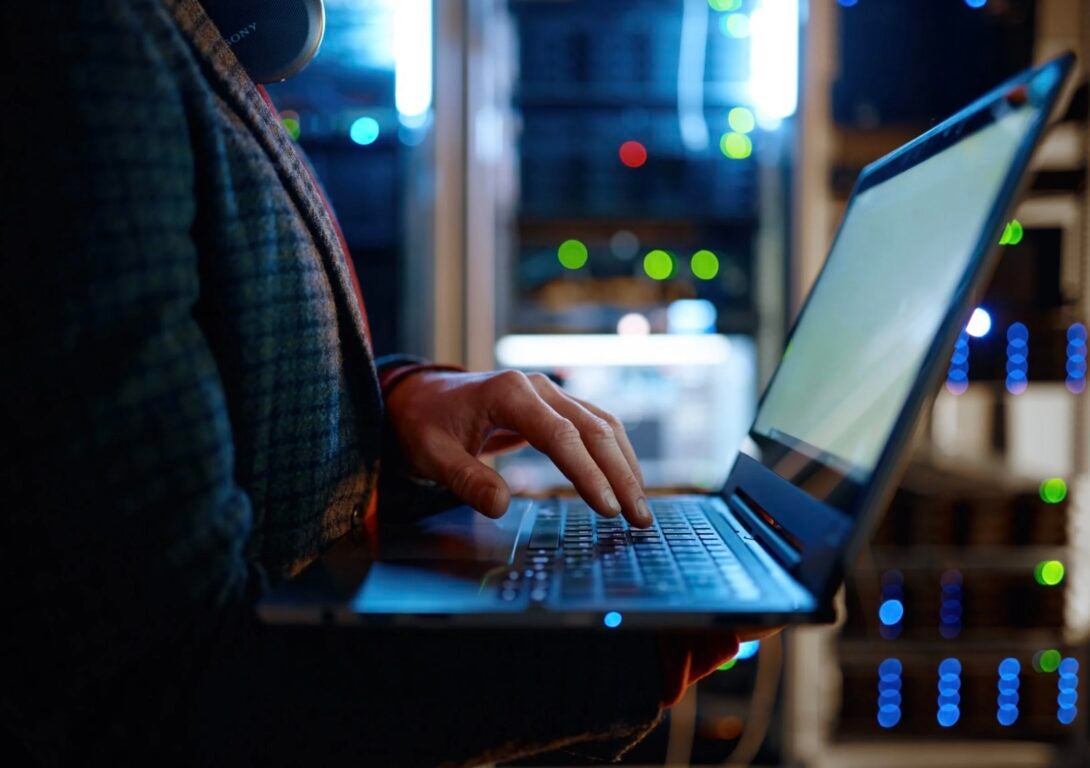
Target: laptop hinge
<point>776,544</point>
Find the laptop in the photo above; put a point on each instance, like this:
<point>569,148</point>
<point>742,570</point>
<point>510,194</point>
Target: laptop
<point>913,252</point>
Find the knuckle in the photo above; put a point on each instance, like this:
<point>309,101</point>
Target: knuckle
<point>538,379</point>
<point>599,430</point>
<point>507,383</point>
<point>614,423</point>
<point>564,432</point>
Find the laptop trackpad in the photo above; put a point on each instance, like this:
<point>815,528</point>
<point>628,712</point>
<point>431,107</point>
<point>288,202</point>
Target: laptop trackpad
<point>459,533</point>
<point>447,562</point>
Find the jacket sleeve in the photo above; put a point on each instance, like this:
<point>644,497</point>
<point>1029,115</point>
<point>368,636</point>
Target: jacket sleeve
<point>124,553</point>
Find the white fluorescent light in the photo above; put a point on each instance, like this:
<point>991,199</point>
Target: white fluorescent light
<point>774,60</point>
<point>412,58</point>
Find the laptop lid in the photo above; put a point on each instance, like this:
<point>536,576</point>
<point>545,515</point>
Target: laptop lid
<point>914,248</point>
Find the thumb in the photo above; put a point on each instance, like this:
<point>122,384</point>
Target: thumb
<point>473,482</point>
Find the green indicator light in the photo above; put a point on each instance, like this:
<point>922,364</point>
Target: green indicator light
<point>1053,490</point>
<point>291,125</point>
<point>1048,573</point>
<point>719,5</point>
<point>704,264</point>
<point>658,264</point>
<point>736,146</point>
<point>572,254</point>
<point>1012,233</point>
<point>728,665</point>
<point>1047,661</point>
<point>741,120</point>
<point>735,25</point>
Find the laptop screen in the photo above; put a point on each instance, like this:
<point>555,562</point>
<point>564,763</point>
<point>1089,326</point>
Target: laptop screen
<point>906,249</point>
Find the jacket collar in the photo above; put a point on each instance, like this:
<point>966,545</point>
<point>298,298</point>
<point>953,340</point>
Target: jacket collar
<point>234,85</point>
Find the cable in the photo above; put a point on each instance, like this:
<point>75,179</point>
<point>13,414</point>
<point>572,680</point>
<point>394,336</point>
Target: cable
<point>761,704</point>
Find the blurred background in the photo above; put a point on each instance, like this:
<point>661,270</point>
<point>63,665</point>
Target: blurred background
<point>635,196</point>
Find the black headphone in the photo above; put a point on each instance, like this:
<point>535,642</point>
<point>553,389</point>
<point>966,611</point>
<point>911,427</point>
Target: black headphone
<point>272,39</point>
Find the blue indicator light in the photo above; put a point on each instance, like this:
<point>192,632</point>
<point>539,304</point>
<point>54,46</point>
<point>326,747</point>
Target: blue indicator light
<point>364,131</point>
<point>889,693</point>
<point>976,3</point>
<point>1076,358</point>
<point>747,649</point>
<point>949,698</point>
<point>891,612</point>
<point>957,378</point>
<point>1017,358</point>
<point>948,715</point>
<point>1067,683</point>
<point>612,619</point>
<point>889,715</point>
<point>890,670</point>
<point>1006,713</point>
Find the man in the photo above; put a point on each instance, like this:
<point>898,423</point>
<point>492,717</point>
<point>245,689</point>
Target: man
<point>191,411</point>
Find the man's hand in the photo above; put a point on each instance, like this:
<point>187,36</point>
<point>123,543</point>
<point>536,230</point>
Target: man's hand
<point>444,421</point>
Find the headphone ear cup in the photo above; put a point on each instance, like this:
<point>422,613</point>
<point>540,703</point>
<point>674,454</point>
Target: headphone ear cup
<point>272,39</point>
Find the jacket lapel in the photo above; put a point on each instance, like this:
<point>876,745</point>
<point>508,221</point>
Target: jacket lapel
<point>233,84</point>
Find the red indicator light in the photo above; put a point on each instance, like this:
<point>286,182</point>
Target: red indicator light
<point>633,154</point>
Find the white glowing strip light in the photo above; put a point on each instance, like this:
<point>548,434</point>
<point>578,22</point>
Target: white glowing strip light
<point>546,351</point>
<point>774,60</point>
<point>412,57</point>
<point>690,75</point>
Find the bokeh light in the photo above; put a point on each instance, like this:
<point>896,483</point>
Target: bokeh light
<point>1076,358</point>
<point>1047,660</point>
<point>572,254</point>
<point>741,120</point>
<point>658,264</point>
<point>889,693</point>
<point>735,25</point>
<point>612,619</point>
<point>1048,573</point>
<point>624,244</point>
<point>949,700</point>
<point>976,3</point>
<point>957,377</point>
<point>1007,697</point>
<point>1012,233</point>
<point>1017,358</point>
<point>633,324</point>
<point>725,5</point>
<point>704,264</point>
<point>1053,490</point>
<point>979,323</point>
<point>290,120</point>
<point>736,146</point>
<point>633,154</point>
<point>364,130</point>
<point>891,612</point>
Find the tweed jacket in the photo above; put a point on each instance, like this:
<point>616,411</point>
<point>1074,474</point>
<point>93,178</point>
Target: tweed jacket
<point>189,408</point>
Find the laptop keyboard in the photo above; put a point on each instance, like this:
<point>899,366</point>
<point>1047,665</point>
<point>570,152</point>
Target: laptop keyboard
<point>577,555</point>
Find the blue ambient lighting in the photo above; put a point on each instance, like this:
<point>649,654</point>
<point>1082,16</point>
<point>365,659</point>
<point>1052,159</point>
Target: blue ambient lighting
<point>1067,683</point>
<point>1076,358</point>
<point>612,619</point>
<point>1017,358</point>
<point>747,649</point>
<point>891,612</point>
<point>1007,699</point>
<point>364,131</point>
<point>950,604</point>
<point>949,698</point>
<point>957,378</point>
<point>847,3</point>
<point>889,693</point>
<point>979,323</point>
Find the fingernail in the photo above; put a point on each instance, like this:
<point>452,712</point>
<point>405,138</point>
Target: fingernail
<point>611,501</point>
<point>644,511</point>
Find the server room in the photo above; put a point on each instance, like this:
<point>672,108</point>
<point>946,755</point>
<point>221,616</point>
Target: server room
<point>547,383</point>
